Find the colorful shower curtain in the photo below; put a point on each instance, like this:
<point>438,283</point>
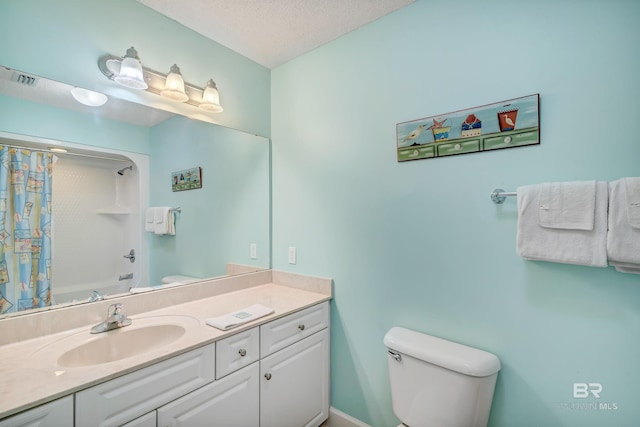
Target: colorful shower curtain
<point>25,229</point>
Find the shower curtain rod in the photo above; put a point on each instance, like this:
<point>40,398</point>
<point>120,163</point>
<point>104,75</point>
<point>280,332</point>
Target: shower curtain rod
<point>67,153</point>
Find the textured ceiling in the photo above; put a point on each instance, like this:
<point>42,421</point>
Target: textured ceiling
<point>272,32</point>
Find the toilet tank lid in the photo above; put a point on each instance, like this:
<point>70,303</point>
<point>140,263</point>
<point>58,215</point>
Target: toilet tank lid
<point>447,354</point>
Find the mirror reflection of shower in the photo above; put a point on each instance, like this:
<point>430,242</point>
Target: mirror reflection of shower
<point>95,198</point>
<point>121,171</point>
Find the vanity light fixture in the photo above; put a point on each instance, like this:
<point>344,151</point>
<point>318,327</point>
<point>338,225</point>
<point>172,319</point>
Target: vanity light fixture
<point>174,86</point>
<point>88,97</point>
<point>170,86</point>
<point>130,71</point>
<point>210,98</point>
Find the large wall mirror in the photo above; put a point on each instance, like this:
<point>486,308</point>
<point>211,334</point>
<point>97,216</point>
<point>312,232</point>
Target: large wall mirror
<point>93,230</point>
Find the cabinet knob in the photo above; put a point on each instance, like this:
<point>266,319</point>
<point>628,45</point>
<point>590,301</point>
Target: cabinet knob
<point>267,376</point>
<point>301,327</point>
<point>242,352</point>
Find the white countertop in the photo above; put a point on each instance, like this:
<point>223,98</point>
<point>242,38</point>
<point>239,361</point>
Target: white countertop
<point>31,376</point>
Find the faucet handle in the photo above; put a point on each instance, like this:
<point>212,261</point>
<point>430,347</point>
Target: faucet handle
<point>114,309</point>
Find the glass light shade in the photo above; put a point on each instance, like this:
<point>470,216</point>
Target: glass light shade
<point>130,74</point>
<point>88,97</point>
<point>174,86</point>
<point>210,98</point>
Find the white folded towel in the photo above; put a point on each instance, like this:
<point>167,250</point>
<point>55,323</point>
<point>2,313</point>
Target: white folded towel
<point>164,221</point>
<point>149,220</point>
<point>623,240</point>
<point>632,188</point>
<point>567,205</point>
<point>568,246</point>
<point>237,318</point>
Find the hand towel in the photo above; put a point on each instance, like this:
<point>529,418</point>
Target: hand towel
<point>149,220</point>
<point>567,205</point>
<point>581,247</point>
<point>623,239</point>
<point>625,268</point>
<point>164,221</point>
<point>232,320</point>
<point>632,188</point>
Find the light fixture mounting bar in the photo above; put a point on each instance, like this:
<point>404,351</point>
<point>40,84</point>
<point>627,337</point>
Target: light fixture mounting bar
<point>110,64</point>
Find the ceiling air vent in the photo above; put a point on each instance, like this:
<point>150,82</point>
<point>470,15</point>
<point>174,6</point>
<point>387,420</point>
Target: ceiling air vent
<point>24,79</point>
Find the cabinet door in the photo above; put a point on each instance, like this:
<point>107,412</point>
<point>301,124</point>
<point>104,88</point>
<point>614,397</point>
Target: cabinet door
<point>294,384</point>
<point>126,398</point>
<point>148,420</point>
<point>54,414</point>
<point>232,401</point>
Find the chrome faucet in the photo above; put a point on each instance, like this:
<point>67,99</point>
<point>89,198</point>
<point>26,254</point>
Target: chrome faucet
<point>116,318</point>
<point>96,296</point>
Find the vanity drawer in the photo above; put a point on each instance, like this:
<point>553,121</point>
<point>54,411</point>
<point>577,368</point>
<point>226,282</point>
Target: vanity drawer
<point>125,398</point>
<point>56,413</point>
<point>237,351</point>
<point>294,327</point>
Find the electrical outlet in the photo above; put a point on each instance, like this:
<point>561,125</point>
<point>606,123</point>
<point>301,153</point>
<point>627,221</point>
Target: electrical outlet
<point>253,249</point>
<point>293,254</point>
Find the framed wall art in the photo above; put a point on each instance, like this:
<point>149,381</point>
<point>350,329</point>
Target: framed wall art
<point>505,124</point>
<point>187,179</point>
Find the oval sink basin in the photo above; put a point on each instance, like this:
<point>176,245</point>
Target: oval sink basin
<point>120,344</point>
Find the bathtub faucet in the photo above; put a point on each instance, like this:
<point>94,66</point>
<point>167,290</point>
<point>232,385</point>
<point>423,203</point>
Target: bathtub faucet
<point>126,276</point>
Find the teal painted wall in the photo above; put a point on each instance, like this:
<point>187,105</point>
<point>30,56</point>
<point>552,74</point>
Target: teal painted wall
<point>38,120</point>
<point>220,220</point>
<point>63,39</point>
<point>420,244</point>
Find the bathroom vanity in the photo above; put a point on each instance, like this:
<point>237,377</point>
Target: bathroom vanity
<point>273,371</point>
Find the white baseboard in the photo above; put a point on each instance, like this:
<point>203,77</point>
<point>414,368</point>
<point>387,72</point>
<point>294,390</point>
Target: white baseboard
<point>340,419</point>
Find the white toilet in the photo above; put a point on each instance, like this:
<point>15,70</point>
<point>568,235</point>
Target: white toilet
<point>178,279</point>
<point>439,383</point>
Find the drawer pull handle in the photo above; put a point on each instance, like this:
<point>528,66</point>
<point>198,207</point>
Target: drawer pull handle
<point>242,352</point>
<point>267,376</point>
<point>301,327</point>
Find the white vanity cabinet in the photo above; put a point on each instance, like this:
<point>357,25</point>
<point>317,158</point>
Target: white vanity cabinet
<point>273,375</point>
<point>53,414</point>
<point>294,375</point>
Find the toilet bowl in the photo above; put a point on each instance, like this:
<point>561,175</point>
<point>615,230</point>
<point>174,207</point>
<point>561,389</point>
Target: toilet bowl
<point>435,382</point>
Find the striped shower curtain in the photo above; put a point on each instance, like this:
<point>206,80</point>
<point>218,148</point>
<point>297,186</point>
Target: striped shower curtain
<point>25,229</point>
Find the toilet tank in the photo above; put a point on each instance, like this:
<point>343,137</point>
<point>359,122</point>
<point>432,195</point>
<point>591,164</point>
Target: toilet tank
<point>435,382</point>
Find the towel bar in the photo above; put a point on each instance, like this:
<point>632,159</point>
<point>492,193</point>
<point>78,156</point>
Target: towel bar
<point>499,195</point>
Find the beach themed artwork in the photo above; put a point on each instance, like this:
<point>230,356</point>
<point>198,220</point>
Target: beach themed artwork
<point>505,124</point>
<point>187,179</point>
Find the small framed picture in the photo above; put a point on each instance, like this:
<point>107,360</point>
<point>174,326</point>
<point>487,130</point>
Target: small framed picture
<point>188,179</point>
